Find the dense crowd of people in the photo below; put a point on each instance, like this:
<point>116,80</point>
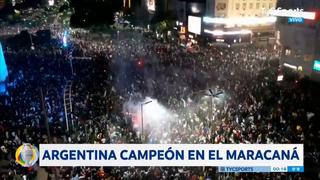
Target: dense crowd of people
<point>129,66</point>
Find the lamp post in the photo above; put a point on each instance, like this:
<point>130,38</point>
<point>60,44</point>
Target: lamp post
<point>212,95</point>
<point>44,111</point>
<point>142,104</point>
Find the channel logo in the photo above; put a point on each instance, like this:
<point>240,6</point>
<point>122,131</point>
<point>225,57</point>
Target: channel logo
<point>27,155</point>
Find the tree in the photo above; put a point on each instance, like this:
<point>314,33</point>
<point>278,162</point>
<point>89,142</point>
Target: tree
<point>164,26</point>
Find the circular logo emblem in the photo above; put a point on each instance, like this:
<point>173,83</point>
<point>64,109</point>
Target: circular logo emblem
<point>27,155</point>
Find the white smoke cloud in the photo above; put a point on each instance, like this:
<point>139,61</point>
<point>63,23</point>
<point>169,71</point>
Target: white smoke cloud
<point>155,115</point>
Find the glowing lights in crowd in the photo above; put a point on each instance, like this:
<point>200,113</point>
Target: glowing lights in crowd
<point>297,13</point>
<point>280,77</point>
<point>244,21</point>
<point>290,66</point>
<point>220,40</point>
<point>222,33</point>
<point>64,39</point>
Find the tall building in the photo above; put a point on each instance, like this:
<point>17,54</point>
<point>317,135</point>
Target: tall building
<point>159,10</point>
<point>185,9</point>
<point>239,18</point>
<point>298,33</point>
<point>230,21</point>
<point>239,8</point>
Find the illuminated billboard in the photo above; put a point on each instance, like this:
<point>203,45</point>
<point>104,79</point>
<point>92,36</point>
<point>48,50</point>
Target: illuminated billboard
<point>240,21</point>
<point>151,4</point>
<point>194,24</point>
<point>316,65</point>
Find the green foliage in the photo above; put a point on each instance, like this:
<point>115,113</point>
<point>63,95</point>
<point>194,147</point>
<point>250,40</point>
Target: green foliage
<point>164,26</point>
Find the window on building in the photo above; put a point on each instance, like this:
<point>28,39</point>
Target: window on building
<point>270,5</point>
<point>288,52</point>
<point>251,5</point>
<point>221,6</point>
<point>244,6</point>
<point>263,5</point>
<point>258,6</point>
<point>237,6</point>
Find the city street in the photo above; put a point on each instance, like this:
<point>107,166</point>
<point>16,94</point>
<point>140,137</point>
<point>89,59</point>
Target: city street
<point>132,86</point>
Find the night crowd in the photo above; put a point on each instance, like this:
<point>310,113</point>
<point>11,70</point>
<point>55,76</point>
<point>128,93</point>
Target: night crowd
<point>129,66</point>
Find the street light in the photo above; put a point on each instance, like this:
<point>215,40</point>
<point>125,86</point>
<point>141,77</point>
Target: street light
<point>142,104</point>
<point>32,45</point>
<point>212,95</point>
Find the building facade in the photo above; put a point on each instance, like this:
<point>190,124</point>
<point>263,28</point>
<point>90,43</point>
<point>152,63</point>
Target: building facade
<point>187,8</point>
<point>235,17</point>
<point>231,21</point>
<point>241,8</point>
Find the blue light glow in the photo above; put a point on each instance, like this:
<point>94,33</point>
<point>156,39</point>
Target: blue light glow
<point>295,20</point>
<point>3,72</point>
<point>316,65</point>
<point>64,39</point>
<point>3,66</point>
<point>3,88</point>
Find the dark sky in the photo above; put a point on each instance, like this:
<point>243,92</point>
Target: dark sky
<point>88,12</point>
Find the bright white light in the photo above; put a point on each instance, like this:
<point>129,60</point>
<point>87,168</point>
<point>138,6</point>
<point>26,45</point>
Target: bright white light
<point>151,5</point>
<point>51,2</point>
<point>244,21</point>
<point>195,9</point>
<point>219,40</point>
<point>297,13</point>
<point>290,66</point>
<point>221,33</point>
<point>316,66</point>
<point>280,78</point>
<point>64,39</point>
<point>194,24</point>
<point>154,113</point>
